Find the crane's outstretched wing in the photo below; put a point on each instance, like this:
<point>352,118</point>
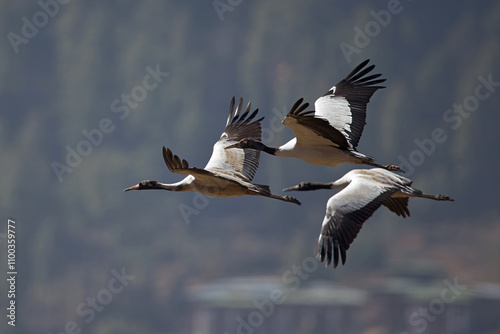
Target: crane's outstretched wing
<point>176,165</point>
<point>344,105</point>
<point>310,130</point>
<point>237,162</point>
<point>346,212</point>
<point>340,115</point>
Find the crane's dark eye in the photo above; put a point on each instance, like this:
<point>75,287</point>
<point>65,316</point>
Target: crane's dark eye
<point>146,183</point>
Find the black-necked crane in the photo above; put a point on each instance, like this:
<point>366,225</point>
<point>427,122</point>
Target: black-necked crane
<point>229,172</point>
<point>363,192</point>
<point>329,134</point>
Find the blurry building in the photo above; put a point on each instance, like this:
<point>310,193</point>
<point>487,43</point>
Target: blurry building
<point>399,304</point>
<point>267,305</point>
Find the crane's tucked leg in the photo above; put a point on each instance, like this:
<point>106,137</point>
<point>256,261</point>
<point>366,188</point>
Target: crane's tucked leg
<point>437,197</point>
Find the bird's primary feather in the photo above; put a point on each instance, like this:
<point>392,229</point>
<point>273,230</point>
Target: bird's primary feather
<point>241,163</point>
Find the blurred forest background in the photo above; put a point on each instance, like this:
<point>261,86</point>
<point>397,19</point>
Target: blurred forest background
<point>75,230</point>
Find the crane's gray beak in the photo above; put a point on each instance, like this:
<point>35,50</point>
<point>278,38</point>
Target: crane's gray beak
<point>136,187</point>
<point>292,188</point>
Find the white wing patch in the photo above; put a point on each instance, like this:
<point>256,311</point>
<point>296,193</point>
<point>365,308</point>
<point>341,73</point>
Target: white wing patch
<point>337,111</point>
<point>229,161</point>
<point>236,162</point>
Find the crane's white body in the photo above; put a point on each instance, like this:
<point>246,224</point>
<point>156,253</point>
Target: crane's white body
<point>210,186</point>
<point>319,154</point>
<point>216,185</point>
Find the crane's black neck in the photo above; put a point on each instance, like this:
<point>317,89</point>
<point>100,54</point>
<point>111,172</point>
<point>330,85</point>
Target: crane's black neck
<point>152,185</point>
<point>315,186</point>
<point>262,147</point>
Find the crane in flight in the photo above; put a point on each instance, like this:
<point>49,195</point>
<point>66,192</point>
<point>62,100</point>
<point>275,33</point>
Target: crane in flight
<point>363,192</point>
<point>229,171</point>
<point>329,134</point>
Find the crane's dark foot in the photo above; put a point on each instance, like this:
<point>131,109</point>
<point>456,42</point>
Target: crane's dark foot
<point>394,168</point>
<point>444,198</point>
<point>291,200</point>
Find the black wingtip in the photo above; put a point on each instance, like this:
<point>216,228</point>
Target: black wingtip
<point>298,107</point>
<point>343,255</point>
<point>167,153</point>
<point>291,200</point>
<point>330,252</point>
<point>231,108</point>
<point>335,256</point>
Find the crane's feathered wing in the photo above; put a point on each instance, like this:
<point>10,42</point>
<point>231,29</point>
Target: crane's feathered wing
<point>310,130</point>
<point>238,162</point>
<point>340,115</point>
<point>345,214</point>
<point>181,166</point>
<point>398,205</point>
